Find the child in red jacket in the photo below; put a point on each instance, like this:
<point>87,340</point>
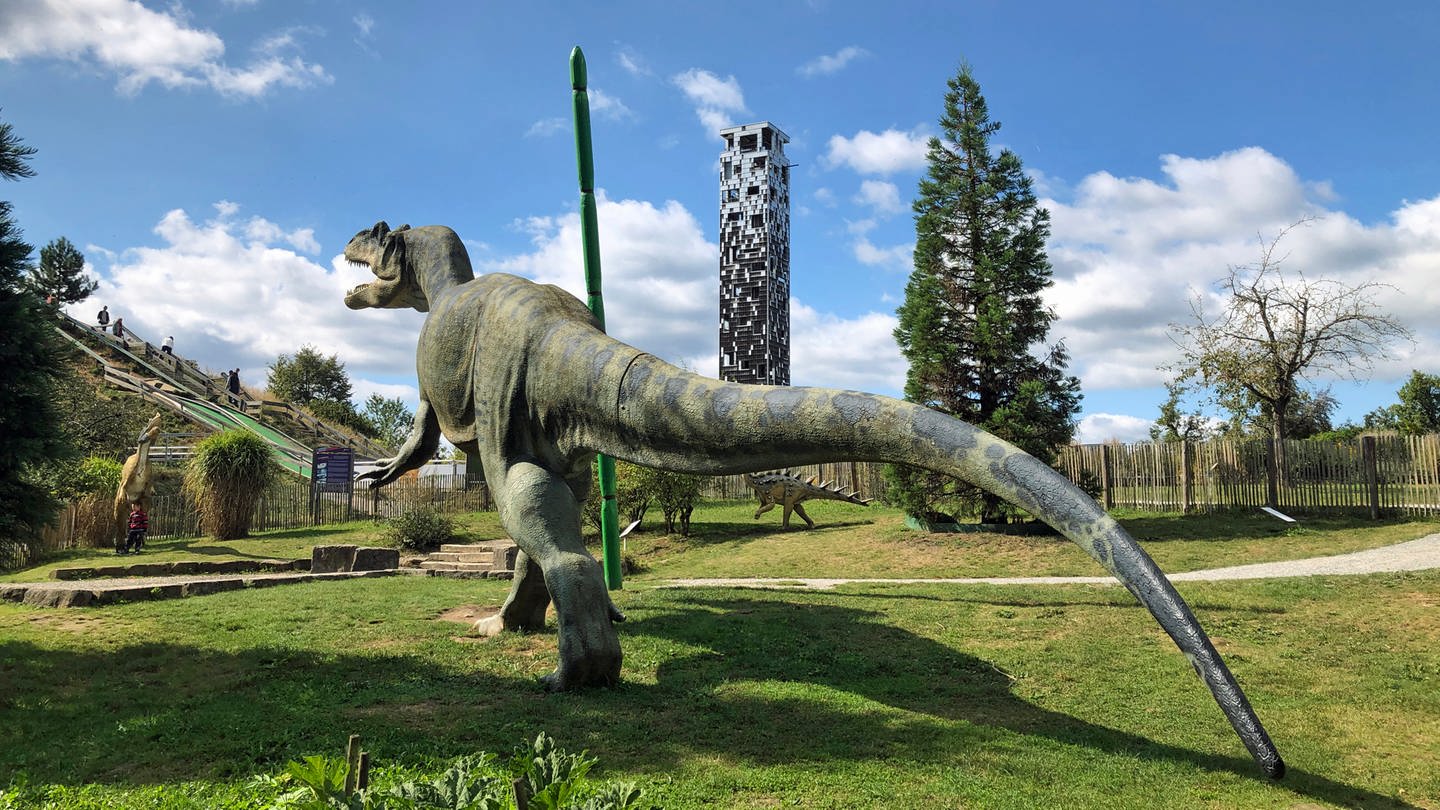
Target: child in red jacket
<point>139,525</point>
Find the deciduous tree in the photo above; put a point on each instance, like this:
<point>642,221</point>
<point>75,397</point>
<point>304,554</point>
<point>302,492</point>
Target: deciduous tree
<point>309,376</point>
<point>1278,329</point>
<point>1418,411</point>
<point>973,312</point>
<point>390,417</point>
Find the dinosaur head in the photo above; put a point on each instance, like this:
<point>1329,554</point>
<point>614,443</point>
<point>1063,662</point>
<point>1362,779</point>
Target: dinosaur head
<point>395,285</point>
<point>152,430</point>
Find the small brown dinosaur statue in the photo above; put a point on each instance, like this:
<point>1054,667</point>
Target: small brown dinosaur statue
<point>521,375</point>
<point>135,484</point>
<point>787,490</point>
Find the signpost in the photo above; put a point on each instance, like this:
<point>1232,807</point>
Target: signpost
<point>332,470</point>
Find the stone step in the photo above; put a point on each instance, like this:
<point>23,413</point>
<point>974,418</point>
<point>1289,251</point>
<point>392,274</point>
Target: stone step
<point>469,556</point>
<point>465,548</point>
<point>439,565</point>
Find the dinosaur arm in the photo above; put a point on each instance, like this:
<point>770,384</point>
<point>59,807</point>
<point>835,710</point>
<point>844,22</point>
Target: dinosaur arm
<point>419,447</point>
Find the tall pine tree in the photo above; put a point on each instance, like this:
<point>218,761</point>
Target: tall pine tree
<point>973,313</point>
<point>28,371</point>
<point>61,273</point>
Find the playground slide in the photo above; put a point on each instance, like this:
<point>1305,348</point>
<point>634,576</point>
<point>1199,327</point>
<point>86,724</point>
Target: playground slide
<point>188,378</point>
<point>289,452</point>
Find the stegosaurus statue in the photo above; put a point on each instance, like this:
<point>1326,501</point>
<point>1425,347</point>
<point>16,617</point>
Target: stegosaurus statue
<point>784,488</point>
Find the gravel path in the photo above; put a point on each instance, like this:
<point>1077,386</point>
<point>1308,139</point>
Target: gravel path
<point>1413,555</point>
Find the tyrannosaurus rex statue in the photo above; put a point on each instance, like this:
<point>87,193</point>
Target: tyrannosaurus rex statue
<point>520,374</point>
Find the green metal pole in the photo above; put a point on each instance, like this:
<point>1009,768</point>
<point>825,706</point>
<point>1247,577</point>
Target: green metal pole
<point>590,238</point>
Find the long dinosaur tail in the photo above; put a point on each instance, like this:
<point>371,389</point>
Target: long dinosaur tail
<point>672,419</point>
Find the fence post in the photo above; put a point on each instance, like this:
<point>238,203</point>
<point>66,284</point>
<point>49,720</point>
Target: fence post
<point>1372,474</point>
<point>1107,484</point>
<point>1187,484</point>
<point>1272,475</point>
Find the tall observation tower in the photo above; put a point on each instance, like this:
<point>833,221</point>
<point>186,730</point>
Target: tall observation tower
<point>755,255</point>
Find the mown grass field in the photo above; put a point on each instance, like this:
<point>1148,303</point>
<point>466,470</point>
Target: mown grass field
<point>874,696</point>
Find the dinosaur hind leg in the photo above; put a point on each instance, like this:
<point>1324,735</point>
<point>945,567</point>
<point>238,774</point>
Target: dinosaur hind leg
<point>540,511</point>
<point>524,608</point>
<point>800,510</point>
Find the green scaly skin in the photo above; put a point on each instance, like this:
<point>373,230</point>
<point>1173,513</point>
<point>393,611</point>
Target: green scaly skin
<point>520,374</point>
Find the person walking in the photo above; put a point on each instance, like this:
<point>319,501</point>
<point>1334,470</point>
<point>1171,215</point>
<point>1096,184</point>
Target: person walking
<point>168,345</point>
<point>103,317</point>
<point>233,383</point>
<point>120,329</point>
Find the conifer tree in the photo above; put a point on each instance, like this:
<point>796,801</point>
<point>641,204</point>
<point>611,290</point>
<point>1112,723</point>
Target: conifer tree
<point>28,371</point>
<point>973,314</point>
<point>61,273</point>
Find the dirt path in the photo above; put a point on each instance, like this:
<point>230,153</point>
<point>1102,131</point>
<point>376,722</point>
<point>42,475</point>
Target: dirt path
<point>1412,555</point>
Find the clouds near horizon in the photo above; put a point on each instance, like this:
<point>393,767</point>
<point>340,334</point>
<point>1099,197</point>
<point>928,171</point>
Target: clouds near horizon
<point>1128,254</point>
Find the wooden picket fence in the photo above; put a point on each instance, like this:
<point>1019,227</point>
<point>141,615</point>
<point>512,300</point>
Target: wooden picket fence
<point>862,477</point>
<point>288,506</point>
<point>1378,475</point>
<point>1373,474</point>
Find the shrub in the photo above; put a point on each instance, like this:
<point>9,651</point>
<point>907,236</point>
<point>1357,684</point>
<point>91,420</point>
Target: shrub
<point>632,495</point>
<point>676,493</point>
<point>423,528</point>
<point>226,477</point>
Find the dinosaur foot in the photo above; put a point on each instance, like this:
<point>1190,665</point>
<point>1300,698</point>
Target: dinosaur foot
<point>489,626</point>
<point>595,671</point>
<point>521,621</point>
<point>589,654</point>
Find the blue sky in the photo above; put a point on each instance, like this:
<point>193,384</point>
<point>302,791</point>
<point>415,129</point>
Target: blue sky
<point>212,158</point>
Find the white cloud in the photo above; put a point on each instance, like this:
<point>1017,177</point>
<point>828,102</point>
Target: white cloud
<point>1097,428</point>
<point>882,196</point>
<point>855,353</point>
<point>362,388</point>
<point>234,294</point>
<point>142,46</point>
<point>1127,252</point>
<point>661,276</point>
<point>717,101</point>
<point>662,283</point>
<point>831,63</point>
<point>896,258</point>
<point>878,153</point>
<point>364,23</point>
<point>608,106</point>
<point>546,127</point>
<point>632,62</point>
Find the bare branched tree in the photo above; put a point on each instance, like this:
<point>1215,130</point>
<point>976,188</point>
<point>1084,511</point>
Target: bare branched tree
<point>1279,329</point>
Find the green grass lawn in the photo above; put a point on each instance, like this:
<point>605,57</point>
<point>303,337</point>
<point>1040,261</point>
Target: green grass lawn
<point>874,696</point>
<point>850,541</point>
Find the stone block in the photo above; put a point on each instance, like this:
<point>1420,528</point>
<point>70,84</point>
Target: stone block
<point>332,559</point>
<point>376,559</point>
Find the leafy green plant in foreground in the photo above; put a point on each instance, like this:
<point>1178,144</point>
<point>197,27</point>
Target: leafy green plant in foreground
<point>541,775</point>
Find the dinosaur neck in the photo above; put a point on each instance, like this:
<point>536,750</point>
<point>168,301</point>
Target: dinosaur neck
<point>437,263</point>
<point>142,459</point>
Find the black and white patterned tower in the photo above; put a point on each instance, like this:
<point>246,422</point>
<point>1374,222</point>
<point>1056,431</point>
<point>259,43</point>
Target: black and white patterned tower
<point>755,255</point>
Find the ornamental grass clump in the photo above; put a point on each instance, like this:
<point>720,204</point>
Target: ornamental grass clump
<point>225,478</point>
